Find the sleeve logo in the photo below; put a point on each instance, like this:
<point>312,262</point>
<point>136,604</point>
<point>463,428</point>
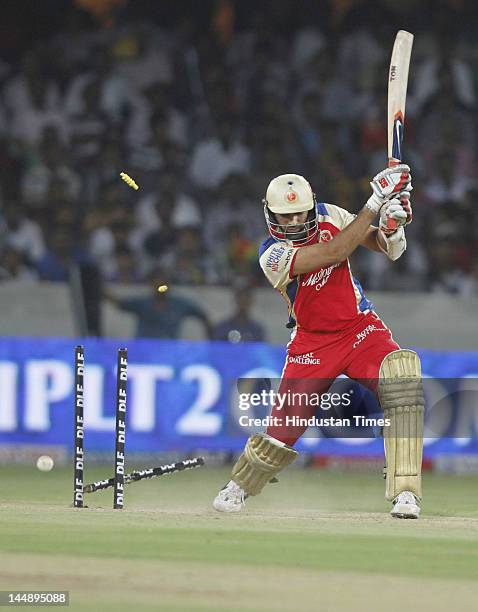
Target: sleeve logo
<point>274,258</point>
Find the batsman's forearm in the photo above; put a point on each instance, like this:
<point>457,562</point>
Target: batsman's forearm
<point>350,237</point>
<point>322,255</point>
<point>374,240</point>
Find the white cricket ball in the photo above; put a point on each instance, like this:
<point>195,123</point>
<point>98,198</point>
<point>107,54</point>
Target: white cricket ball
<point>45,463</point>
<point>234,336</point>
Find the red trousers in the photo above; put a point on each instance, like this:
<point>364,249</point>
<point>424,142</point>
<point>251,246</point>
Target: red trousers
<point>314,361</point>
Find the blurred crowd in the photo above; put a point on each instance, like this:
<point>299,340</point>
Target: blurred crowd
<point>204,112</point>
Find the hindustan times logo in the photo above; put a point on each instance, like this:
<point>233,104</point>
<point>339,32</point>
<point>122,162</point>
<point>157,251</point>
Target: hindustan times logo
<point>273,420</point>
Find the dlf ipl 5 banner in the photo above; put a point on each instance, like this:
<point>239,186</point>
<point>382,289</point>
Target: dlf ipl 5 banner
<point>204,395</point>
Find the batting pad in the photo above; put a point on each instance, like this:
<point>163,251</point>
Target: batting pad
<point>262,459</point>
<point>400,391</point>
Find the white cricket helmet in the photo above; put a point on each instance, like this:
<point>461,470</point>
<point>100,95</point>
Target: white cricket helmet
<point>289,193</point>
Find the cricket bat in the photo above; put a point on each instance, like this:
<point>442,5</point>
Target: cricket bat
<point>397,96</point>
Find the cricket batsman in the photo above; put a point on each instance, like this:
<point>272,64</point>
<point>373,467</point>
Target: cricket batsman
<point>336,331</point>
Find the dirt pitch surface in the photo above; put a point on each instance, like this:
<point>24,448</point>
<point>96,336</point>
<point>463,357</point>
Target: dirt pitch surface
<point>315,541</point>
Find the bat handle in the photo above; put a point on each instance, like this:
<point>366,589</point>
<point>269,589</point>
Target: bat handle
<point>391,223</point>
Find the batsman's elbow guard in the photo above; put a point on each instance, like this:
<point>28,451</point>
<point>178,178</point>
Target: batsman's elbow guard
<point>396,244</point>
<point>263,458</point>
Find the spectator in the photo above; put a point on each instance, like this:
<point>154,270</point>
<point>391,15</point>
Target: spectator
<point>13,266</point>
<point>88,125</point>
<point>447,183</point>
<point>112,89</point>
<point>51,163</point>
<point>62,254</point>
<point>215,158</point>
<point>160,315</point>
<point>156,100</point>
<point>20,233</point>
<point>232,205</point>
<point>146,60</point>
<point>153,155</point>
<point>33,102</point>
<point>124,266</point>
<point>116,236</point>
<point>240,327</point>
<point>189,260</point>
<point>166,209</point>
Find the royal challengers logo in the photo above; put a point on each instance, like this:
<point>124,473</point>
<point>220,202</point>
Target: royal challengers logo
<point>325,236</point>
<point>291,196</point>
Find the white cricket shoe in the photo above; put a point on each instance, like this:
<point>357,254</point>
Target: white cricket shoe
<point>230,498</point>
<point>406,506</point>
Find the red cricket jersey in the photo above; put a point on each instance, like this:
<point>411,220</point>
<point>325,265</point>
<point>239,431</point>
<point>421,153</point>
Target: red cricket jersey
<point>326,300</point>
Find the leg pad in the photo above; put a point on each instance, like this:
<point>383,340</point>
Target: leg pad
<point>263,458</point>
<point>400,391</point>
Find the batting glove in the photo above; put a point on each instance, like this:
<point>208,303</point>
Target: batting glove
<point>388,184</point>
<point>399,211</point>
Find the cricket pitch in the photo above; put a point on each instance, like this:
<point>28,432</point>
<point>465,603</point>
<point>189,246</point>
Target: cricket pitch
<point>314,541</point>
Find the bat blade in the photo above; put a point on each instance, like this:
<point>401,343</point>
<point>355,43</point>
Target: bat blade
<point>397,96</point>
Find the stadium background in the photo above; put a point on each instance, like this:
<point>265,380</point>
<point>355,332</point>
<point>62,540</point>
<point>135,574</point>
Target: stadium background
<point>202,103</point>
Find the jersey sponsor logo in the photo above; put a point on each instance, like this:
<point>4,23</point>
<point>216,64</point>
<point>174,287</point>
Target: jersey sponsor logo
<point>366,332</point>
<point>320,278</point>
<point>305,359</point>
<point>274,258</point>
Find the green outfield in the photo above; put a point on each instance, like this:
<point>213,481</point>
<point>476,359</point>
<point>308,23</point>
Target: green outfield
<point>315,541</point>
